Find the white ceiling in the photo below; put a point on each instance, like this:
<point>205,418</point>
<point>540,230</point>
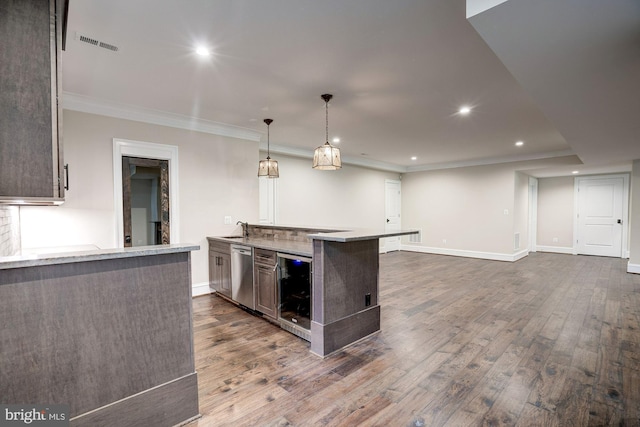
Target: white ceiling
<point>399,70</point>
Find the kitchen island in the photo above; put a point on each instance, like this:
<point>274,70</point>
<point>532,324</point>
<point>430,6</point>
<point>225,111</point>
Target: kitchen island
<point>107,332</point>
<point>344,288</point>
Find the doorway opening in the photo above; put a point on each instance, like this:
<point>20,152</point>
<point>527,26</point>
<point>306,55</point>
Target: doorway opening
<point>393,204</point>
<point>145,201</point>
<point>149,158</point>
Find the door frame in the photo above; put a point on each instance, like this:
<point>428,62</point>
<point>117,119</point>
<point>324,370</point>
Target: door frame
<point>149,150</point>
<point>533,214</point>
<point>625,209</point>
<point>385,246</point>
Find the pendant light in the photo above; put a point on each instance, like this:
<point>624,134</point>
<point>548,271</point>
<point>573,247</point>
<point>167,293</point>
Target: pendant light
<point>327,157</point>
<point>268,168</point>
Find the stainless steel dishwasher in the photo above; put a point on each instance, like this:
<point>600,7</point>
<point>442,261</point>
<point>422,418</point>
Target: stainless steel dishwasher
<point>242,276</point>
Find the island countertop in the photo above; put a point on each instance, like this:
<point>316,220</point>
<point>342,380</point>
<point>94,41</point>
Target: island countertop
<point>359,234</point>
<point>278,245</point>
<point>21,261</point>
<point>305,248</point>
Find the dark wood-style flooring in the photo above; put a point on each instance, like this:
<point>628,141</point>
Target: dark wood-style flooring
<point>550,340</point>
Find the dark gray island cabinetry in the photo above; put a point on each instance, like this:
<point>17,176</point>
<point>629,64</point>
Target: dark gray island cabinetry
<point>107,332</point>
<point>345,293</point>
<point>344,269</point>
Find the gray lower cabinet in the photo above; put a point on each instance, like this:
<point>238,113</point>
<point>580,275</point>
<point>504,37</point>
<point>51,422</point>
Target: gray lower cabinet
<point>112,338</point>
<point>265,282</point>
<point>220,268</point>
<point>31,164</point>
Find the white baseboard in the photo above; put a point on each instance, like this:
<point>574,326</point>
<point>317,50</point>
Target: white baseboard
<point>198,289</point>
<point>468,254</point>
<point>519,255</point>
<point>633,268</point>
<point>555,249</point>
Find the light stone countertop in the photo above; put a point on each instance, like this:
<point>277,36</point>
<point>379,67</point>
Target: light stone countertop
<point>35,260</point>
<point>356,234</point>
<point>278,245</point>
<point>306,248</point>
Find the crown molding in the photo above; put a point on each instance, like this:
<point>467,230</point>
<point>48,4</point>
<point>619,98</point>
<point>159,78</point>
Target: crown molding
<point>86,104</point>
<point>490,161</point>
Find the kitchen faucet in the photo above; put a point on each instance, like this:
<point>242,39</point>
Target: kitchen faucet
<point>245,228</point>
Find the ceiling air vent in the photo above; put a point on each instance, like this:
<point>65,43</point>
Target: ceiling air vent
<point>96,42</point>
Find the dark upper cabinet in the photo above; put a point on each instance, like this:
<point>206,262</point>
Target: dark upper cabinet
<point>31,164</point>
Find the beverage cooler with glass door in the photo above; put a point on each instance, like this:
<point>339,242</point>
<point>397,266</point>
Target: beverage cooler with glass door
<point>294,310</point>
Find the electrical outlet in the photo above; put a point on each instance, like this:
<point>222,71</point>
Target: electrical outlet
<point>227,220</point>
<point>555,240</point>
<point>444,241</point>
<point>506,211</point>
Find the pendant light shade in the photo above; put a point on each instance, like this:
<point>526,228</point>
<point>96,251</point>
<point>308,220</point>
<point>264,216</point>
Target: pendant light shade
<point>327,157</point>
<point>268,168</point>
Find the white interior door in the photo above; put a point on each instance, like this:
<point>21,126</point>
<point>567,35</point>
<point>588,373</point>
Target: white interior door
<point>601,215</point>
<point>392,211</point>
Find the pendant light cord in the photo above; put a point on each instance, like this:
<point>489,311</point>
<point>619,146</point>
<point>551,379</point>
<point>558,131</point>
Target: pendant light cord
<point>326,105</point>
<point>268,122</point>
<point>327,97</point>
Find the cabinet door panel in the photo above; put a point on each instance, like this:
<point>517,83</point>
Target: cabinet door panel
<point>212,271</point>
<point>225,274</point>
<point>30,156</point>
<point>220,272</point>
<point>265,290</point>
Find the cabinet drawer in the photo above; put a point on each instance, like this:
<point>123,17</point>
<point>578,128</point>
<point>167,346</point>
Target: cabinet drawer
<point>263,256</point>
<point>222,247</point>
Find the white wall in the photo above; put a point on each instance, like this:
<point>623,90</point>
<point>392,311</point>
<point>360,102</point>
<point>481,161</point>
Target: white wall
<point>555,214</point>
<point>461,209</point>
<point>350,197</point>
<point>217,177</point>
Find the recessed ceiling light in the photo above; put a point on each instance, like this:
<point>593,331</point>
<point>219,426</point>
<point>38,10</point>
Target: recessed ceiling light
<point>519,144</point>
<point>414,158</point>
<point>464,109</point>
<point>336,140</point>
<point>203,51</point>
<point>575,172</point>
